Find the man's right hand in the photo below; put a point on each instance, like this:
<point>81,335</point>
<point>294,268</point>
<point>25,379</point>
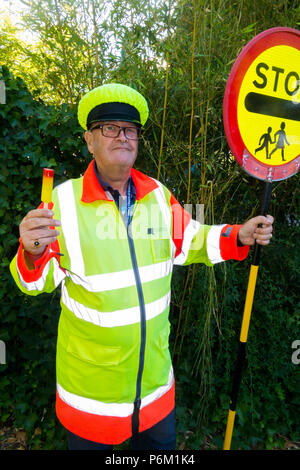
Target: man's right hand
<point>35,227</point>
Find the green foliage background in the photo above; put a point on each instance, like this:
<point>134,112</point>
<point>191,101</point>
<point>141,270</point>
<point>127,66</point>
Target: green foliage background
<point>185,146</point>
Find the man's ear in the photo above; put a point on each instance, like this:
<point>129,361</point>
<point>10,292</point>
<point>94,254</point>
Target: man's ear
<point>89,141</point>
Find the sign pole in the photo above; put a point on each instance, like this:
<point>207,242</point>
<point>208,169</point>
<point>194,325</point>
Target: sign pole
<point>245,325</point>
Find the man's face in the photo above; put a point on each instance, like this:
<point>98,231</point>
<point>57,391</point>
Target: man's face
<point>112,154</point>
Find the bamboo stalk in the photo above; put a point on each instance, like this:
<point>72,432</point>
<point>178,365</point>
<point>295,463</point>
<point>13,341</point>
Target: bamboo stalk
<point>189,175</point>
<point>164,117</point>
<point>165,98</point>
<point>180,310</point>
<point>203,162</point>
<point>95,40</point>
<point>64,54</point>
<point>192,102</point>
<point>193,268</point>
<point>88,45</point>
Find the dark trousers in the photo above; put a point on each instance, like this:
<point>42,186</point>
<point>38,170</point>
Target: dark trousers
<point>162,436</point>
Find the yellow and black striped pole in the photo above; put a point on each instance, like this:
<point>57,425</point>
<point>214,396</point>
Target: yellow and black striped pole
<point>245,326</point>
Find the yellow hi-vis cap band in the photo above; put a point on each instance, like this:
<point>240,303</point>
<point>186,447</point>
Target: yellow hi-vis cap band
<point>112,93</point>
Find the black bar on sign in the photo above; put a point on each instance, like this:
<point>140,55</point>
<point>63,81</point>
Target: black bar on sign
<point>271,106</point>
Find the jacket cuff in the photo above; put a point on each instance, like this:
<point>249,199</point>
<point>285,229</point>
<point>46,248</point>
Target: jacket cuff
<point>228,244</point>
<point>31,275</point>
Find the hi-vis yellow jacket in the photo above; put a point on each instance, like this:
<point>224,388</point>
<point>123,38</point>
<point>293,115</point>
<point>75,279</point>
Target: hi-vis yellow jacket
<point>114,371</point>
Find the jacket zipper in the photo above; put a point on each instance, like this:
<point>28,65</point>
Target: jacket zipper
<point>137,401</point>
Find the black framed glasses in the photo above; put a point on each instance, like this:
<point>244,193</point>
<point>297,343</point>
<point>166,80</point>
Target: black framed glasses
<point>112,130</point>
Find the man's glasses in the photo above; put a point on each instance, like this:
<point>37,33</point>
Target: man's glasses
<point>112,130</point>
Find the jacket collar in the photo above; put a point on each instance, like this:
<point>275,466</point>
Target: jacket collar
<point>92,190</point>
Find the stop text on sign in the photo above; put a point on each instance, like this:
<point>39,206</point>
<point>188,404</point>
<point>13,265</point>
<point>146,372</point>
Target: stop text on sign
<point>290,81</point>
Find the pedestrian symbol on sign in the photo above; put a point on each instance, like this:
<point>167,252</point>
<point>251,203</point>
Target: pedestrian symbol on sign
<point>266,139</point>
<point>264,142</point>
<point>281,140</point>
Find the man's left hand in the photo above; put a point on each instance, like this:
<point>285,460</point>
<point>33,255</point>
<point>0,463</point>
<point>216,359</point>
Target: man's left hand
<point>251,232</point>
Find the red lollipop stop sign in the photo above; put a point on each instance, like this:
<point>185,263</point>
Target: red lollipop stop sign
<point>261,111</point>
<point>261,107</point>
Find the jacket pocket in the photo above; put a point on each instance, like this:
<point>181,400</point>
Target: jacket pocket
<point>160,250</point>
<point>89,351</point>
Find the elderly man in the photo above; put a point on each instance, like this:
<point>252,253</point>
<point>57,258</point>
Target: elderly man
<point>120,233</point>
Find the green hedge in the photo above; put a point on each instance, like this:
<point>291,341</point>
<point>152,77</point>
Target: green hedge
<point>34,136</point>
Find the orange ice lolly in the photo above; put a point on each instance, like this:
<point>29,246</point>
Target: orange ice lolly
<point>47,186</point>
